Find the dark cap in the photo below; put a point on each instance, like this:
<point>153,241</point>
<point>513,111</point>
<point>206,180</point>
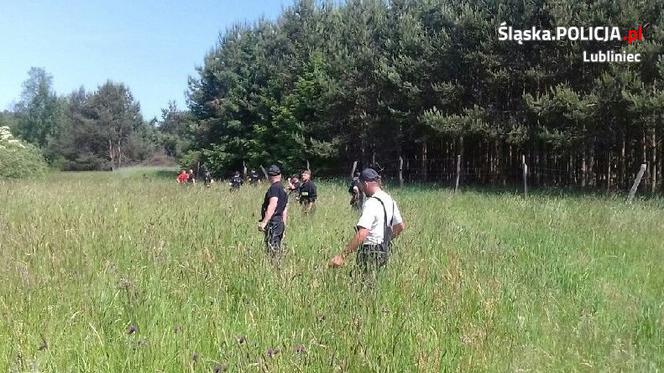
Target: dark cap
<point>369,174</point>
<point>273,170</point>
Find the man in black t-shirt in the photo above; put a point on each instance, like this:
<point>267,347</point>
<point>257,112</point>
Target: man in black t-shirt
<point>355,190</point>
<point>274,212</point>
<point>236,181</point>
<point>308,193</point>
<point>253,177</point>
<point>206,175</point>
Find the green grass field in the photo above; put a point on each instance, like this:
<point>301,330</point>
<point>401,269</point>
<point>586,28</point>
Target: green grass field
<point>132,272</point>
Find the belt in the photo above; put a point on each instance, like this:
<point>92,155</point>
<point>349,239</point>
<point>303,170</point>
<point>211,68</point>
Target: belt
<point>373,248</point>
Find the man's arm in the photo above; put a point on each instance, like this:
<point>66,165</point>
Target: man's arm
<point>271,207</point>
<point>399,226</point>
<point>397,229</point>
<point>285,213</point>
<point>355,242</point>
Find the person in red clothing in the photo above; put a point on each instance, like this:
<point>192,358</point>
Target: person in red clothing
<point>183,177</point>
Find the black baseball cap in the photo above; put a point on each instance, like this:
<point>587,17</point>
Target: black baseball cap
<point>369,174</point>
<point>273,170</point>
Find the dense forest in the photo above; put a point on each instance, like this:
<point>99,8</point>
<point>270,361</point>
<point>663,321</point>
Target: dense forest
<point>389,83</point>
<point>427,80</point>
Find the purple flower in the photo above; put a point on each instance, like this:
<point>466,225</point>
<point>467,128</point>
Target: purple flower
<point>272,352</point>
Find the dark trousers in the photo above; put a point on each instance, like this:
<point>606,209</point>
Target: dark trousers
<point>274,233</point>
<point>372,257</point>
<point>308,205</point>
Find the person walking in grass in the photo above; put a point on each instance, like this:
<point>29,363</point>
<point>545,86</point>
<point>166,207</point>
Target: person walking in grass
<point>182,177</point>
<point>356,194</point>
<point>379,223</point>
<point>307,193</point>
<point>274,213</point>
<point>236,181</point>
<point>254,179</point>
<point>207,175</point>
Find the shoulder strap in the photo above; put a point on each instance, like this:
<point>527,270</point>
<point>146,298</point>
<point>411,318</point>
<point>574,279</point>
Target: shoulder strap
<point>385,211</point>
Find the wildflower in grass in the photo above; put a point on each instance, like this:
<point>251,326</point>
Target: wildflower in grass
<point>300,349</point>
<point>44,345</point>
<point>272,352</point>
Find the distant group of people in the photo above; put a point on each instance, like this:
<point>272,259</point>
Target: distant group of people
<point>185,177</point>
<point>235,182</point>
<point>380,219</point>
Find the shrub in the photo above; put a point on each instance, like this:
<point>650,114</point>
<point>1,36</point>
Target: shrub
<point>18,159</point>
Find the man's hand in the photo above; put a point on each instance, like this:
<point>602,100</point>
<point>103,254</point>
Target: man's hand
<point>261,226</point>
<point>337,261</point>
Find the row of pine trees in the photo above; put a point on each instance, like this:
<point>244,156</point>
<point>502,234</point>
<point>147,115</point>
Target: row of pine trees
<point>427,80</point>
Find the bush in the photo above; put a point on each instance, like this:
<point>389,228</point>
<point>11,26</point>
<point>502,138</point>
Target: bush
<point>18,159</point>
<point>159,159</point>
<point>87,161</point>
<point>190,159</point>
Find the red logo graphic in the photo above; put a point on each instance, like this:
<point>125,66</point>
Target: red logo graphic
<point>635,35</point>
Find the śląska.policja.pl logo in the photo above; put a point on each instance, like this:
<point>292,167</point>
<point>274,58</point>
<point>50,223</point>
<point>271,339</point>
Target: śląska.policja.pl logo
<point>602,34</point>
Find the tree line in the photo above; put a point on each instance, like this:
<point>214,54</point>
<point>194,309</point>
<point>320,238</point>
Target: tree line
<point>427,80</point>
<point>401,82</point>
<point>98,130</point>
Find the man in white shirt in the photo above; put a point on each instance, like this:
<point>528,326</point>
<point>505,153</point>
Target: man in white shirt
<point>380,222</point>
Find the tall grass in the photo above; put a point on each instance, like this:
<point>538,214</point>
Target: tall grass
<point>132,272</point>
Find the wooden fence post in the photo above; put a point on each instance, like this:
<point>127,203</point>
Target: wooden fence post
<point>400,172</point>
<point>458,173</point>
<point>637,181</point>
<point>525,176</point>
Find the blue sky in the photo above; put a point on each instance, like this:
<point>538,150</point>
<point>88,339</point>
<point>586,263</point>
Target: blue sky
<point>151,46</point>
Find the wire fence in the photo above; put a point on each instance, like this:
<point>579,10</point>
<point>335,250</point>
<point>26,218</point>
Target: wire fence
<point>448,171</point>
